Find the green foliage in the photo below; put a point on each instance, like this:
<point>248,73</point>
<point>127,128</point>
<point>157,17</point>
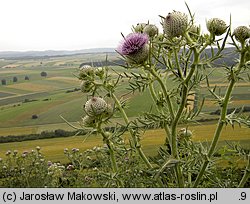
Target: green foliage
<point>169,69</point>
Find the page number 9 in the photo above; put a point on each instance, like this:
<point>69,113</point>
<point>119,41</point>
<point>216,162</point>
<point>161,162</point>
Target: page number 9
<point>243,196</point>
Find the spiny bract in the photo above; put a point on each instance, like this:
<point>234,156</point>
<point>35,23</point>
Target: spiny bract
<point>241,33</point>
<point>175,24</point>
<point>95,106</point>
<point>150,30</point>
<point>216,26</point>
<point>88,121</point>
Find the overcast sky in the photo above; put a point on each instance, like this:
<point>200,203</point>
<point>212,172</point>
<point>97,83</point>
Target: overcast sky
<point>80,24</point>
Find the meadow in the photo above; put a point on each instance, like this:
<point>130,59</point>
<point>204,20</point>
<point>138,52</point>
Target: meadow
<point>56,94</point>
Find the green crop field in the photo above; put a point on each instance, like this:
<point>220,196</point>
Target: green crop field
<point>46,97</point>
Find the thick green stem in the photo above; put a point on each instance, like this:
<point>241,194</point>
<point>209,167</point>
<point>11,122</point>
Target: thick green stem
<point>163,87</point>
<point>246,174</point>
<point>107,141</point>
<point>177,117</point>
<point>159,108</point>
<point>112,155</point>
<point>217,133</point>
<point>178,64</point>
<point>132,133</point>
<point>222,119</point>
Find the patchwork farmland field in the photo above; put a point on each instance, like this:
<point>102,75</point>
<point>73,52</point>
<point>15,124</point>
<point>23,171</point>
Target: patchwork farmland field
<point>57,94</point>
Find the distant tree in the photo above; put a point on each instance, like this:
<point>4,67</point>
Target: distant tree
<point>34,117</point>
<point>3,81</point>
<point>26,78</point>
<point>15,79</point>
<point>43,74</point>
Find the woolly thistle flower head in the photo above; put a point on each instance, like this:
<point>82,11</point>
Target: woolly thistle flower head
<point>85,86</point>
<point>88,121</point>
<point>194,31</point>
<point>241,33</point>
<point>86,71</point>
<point>175,24</point>
<point>150,30</point>
<point>139,27</point>
<point>135,48</point>
<point>184,133</point>
<point>216,26</point>
<point>95,106</point>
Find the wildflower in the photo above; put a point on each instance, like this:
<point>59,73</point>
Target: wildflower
<point>86,71</point>
<point>95,106</point>
<point>99,71</point>
<point>49,163</point>
<point>216,26</point>
<point>175,24</point>
<point>185,133</point>
<point>8,153</point>
<point>74,150</point>
<point>88,121</point>
<point>135,48</point>
<point>84,67</point>
<point>109,111</point>
<point>241,33</point>
<point>85,86</point>
<point>139,27</point>
<point>88,158</point>
<point>194,31</point>
<point>24,155</point>
<point>70,167</point>
<point>38,148</point>
<point>150,30</point>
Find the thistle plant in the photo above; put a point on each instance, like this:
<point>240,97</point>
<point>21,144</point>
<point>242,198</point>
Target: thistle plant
<point>170,65</point>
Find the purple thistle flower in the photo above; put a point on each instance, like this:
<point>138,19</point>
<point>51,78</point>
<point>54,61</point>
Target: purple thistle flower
<point>135,48</point>
<point>133,43</point>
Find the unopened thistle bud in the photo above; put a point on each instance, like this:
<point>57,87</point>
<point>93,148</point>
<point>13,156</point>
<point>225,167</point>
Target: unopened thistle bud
<point>88,121</point>
<point>109,111</point>
<point>150,30</point>
<point>85,86</point>
<point>194,31</point>
<point>175,24</point>
<point>135,48</point>
<point>185,133</point>
<point>216,26</point>
<point>86,71</point>
<point>241,33</point>
<point>95,106</point>
<point>139,27</point>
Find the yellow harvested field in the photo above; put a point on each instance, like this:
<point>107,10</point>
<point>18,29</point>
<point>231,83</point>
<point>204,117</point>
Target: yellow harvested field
<point>247,84</point>
<point>64,79</point>
<point>18,131</point>
<point>202,132</point>
<point>241,102</point>
<point>211,103</point>
<point>32,87</point>
<point>12,71</point>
